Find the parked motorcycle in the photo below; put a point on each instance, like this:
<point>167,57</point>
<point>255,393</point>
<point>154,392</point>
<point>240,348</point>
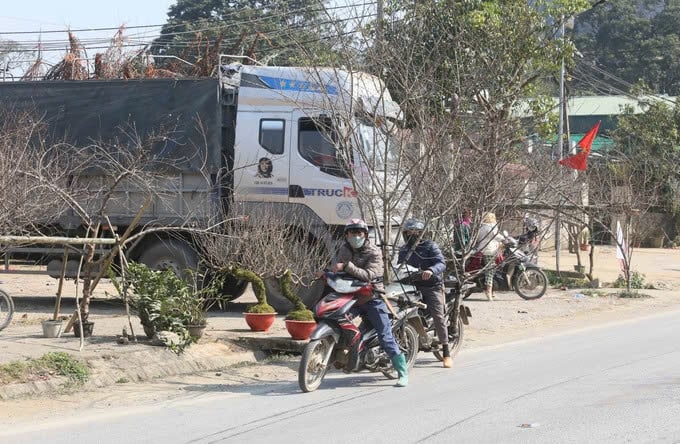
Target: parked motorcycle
<point>514,270</point>
<point>327,345</point>
<point>456,314</point>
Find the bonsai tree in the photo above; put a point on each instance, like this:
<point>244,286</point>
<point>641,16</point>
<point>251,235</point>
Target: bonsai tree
<point>299,312</point>
<point>258,288</point>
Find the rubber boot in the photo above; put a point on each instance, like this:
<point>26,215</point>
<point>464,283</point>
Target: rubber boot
<point>399,363</point>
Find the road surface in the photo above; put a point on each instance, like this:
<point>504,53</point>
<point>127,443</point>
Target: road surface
<point>616,383</point>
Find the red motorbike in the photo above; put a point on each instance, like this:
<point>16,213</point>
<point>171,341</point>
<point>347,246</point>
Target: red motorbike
<point>513,270</point>
<point>327,344</point>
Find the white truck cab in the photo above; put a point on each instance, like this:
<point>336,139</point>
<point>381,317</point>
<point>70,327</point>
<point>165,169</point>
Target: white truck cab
<point>299,130</point>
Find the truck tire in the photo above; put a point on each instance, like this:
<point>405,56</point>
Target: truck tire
<point>174,254</point>
<point>180,256</point>
<point>309,295</point>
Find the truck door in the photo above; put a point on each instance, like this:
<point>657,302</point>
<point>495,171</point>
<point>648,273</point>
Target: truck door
<point>318,169</point>
<point>262,156</point>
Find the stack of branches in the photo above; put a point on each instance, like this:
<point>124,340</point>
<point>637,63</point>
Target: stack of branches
<point>150,70</point>
<point>74,64</point>
<point>115,63</point>
<point>36,70</point>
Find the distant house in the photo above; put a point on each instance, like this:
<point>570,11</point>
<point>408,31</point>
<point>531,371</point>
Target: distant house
<point>584,112</point>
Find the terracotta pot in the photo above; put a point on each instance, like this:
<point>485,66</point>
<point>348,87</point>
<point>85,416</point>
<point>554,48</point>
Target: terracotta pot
<point>584,247</point>
<point>300,330</point>
<point>259,321</point>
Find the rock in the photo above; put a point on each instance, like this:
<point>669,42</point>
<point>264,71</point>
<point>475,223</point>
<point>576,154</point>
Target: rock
<point>166,338</point>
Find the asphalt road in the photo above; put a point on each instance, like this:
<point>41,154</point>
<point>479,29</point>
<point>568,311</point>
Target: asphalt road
<point>616,383</point>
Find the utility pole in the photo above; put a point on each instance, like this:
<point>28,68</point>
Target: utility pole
<point>560,155</point>
<point>379,26</point>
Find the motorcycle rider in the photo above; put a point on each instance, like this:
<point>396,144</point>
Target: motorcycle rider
<point>426,255</point>
<point>363,260</point>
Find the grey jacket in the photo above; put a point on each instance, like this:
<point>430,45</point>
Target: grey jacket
<point>364,264</point>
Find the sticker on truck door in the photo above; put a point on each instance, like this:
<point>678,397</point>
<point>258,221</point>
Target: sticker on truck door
<point>265,168</point>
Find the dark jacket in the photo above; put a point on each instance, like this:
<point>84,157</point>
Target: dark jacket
<point>427,256</point>
<point>365,264</point>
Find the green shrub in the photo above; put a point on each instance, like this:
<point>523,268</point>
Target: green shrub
<point>637,281</point>
<point>632,295</point>
<point>59,363</point>
<point>594,293</point>
<point>565,280</point>
<point>165,302</point>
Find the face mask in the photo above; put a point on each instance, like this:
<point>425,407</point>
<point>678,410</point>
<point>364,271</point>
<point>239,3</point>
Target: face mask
<point>356,241</point>
<point>410,239</point>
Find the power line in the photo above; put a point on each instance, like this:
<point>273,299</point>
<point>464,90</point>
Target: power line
<point>60,31</point>
<point>309,9</point>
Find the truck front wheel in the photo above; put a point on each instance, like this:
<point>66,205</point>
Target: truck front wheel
<point>170,254</point>
<point>179,256</point>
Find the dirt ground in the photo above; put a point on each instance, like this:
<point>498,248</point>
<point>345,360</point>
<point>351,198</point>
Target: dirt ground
<point>492,324</point>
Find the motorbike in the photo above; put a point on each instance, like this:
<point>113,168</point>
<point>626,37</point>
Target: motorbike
<point>456,314</point>
<point>327,344</point>
<point>514,271</point>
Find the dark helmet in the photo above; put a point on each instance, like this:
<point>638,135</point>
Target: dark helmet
<point>414,225</point>
<point>530,224</point>
<point>356,224</point>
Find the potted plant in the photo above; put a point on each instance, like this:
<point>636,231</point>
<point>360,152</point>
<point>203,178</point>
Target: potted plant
<point>163,301</point>
<point>260,316</point>
<point>198,318</point>
<point>199,300</point>
<point>300,321</point>
<point>584,239</point>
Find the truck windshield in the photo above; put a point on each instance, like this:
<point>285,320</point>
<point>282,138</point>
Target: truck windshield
<point>377,143</point>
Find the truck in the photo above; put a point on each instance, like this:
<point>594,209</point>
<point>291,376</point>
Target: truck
<point>251,135</point>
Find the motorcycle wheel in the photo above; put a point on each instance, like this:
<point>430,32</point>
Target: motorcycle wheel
<point>454,344</point>
<point>407,339</point>
<point>314,363</point>
<point>531,284</point>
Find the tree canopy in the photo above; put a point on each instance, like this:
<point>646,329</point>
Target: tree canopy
<point>630,39</point>
<point>276,32</point>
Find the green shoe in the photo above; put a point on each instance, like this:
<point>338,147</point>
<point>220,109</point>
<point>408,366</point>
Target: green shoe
<point>399,363</point>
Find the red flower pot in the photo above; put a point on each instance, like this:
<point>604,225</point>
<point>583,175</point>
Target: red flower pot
<point>300,330</point>
<point>260,321</point>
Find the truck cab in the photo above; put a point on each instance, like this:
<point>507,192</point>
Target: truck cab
<point>304,136</point>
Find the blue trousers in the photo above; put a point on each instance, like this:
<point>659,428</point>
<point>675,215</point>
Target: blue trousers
<point>376,313</point>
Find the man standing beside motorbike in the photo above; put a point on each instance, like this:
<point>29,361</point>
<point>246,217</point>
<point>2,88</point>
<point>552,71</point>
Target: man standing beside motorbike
<point>426,255</point>
<point>363,261</point>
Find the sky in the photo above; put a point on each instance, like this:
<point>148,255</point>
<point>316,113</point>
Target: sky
<point>52,15</point>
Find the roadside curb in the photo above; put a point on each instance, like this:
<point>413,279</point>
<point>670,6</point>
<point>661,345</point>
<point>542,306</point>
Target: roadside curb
<point>138,366</point>
<point>273,343</point>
